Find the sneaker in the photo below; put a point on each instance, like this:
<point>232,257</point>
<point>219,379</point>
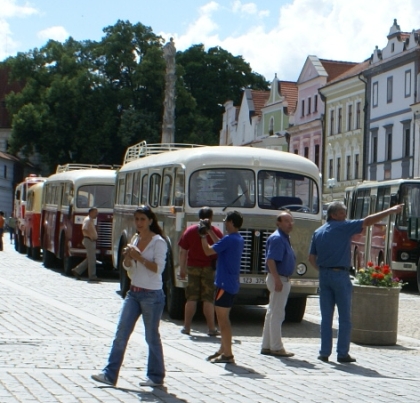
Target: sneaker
<point>185,331</point>
<point>76,274</point>
<point>323,358</point>
<point>265,351</point>
<point>346,359</point>
<point>149,382</point>
<point>214,332</point>
<point>224,359</point>
<point>102,378</point>
<point>281,353</point>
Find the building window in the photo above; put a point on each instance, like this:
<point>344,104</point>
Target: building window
<point>375,95</point>
<point>306,152</point>
<point>348,167</point>
<point>349,117</point>
<point>309,105</point>
<point>303,108</point>
<point>406,140</point>
<point>5,172</point>
<point>340,120</point>
<point>338,170</point>
<point>317,155</point>
<point>358,114</point>
<point>375,147</point>
<point>316,103</point>
<point>407,84</point>
<point>389,90</point>
<point>388,144</point>
<point>356,166</point>
<point>331,123</point>
<point>330,169</point>
<point>271,126</point>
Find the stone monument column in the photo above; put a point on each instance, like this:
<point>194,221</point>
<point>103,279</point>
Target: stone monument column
<point>168,124</point>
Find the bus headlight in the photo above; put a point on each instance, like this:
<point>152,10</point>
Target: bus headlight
<point>405,256</point>
<point>301,269</point>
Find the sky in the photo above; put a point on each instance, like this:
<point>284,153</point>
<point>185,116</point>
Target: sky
<point>273,36</point>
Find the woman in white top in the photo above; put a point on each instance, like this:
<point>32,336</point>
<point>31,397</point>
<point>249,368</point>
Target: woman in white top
<point>144,260</point>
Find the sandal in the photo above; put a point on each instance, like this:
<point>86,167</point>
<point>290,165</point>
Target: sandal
<point>213,356</point>
<point>214,332</point>
<point>224,359</point>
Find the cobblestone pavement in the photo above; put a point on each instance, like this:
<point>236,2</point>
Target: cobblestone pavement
<point>56,331</point>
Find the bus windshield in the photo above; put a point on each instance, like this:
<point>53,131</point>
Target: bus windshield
<point>100,196</point>
<point>227,187</point>
<point>410,196</point>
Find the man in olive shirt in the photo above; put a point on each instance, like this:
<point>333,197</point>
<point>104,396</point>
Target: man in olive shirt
<point>89,242</point>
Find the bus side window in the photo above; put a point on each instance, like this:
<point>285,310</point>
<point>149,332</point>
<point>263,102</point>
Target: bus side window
<point>121,189</point>
<point>154,188</point>
<point>179,187</point>
<point>167,190</point>
<point>362,204</point>
<point>144,183</point>
<point>136,189</point>
<point>128,188</point>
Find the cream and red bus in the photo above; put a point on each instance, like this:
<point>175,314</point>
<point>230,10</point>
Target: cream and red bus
<point>68,194</point>
<point>32,237</point>
<point>176,180</point>
<point>19,208</point>
<point>390,241</point>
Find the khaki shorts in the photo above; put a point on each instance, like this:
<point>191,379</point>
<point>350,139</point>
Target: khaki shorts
<point>200,284</point>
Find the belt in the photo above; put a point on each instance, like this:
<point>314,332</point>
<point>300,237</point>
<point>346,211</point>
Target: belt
<point>338,268</point>
<point>90,239</point>
<point>139,289</point>
<point>286,277</point>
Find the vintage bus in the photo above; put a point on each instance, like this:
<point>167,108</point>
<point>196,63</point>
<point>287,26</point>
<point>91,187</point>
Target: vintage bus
<point>388,241</point>
<point>21,194</point>
<point>177,180</point>
<point>32,237</point>
<point>68,194</point>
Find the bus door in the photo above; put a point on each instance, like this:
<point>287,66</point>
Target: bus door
<point>360,241</point>
<point>382,231</point>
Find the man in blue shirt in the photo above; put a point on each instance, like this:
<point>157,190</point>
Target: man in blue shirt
<point>280,261</point>
<point>229,252</point>
<point>330,253</point>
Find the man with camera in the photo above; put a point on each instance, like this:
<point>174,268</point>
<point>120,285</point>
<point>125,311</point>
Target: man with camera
<point>200,270</point>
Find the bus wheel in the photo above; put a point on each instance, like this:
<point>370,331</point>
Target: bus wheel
<point>418,275</point>
<point>36,253</point>
<point>125,281</point>
<point>295,309</point>
<point>48,259</point>
<point>175,300</point>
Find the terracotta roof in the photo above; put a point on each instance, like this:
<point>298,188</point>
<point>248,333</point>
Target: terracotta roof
<point>10,157</point>
<point>354,71</point>
<point>334,68</point>
<point>289,90</point>
<point>259,98</point>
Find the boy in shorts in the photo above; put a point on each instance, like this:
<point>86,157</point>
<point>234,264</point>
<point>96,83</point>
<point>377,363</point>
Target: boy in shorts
<point>229,251</point>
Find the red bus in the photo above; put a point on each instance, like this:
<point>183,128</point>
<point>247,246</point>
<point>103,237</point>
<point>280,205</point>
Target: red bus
<point>21,192</point>
<point>388,241</point>
<point>68,194</point>
<point>32,237</point>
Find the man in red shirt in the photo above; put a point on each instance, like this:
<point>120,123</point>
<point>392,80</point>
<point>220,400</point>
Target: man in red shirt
<point>200,270</point>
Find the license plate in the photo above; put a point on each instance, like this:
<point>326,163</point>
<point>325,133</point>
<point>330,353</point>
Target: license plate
<point>252,280</point>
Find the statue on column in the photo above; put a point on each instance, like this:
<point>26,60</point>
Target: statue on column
<point>168,124</point>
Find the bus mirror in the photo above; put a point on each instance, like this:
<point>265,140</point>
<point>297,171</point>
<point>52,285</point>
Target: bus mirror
<point>394,200</point>
<point>413,229</point>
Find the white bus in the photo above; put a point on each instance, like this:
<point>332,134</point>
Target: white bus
<point>176,180</point>
<point>68,195</point>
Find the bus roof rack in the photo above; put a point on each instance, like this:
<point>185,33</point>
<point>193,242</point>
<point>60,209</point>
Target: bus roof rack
<point>143,149</point>
<point>74,167</point>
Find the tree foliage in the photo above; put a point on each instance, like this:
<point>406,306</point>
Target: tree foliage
<point>87,101</point>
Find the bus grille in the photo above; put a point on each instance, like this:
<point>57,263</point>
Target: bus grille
<point>104,235</point>
<point>253,256</point>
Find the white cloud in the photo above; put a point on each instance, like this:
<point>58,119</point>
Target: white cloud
<point>9,9</point>
<point>330,29</point>
<point>56,33</point>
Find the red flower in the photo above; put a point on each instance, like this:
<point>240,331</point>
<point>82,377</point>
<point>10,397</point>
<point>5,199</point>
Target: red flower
<point>380,276</point>
<point>386,269</point>
<point>370,264</point>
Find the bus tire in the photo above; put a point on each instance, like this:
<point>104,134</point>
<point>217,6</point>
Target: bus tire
<point>418,275</point>
<point>48,259</point>
<point>295,309</point>
<point>125,281</point>
<point>36,253</point>
<point>175,300</point>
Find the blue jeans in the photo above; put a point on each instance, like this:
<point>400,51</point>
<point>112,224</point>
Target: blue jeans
<point>335,289</point>
<point>150,304</point>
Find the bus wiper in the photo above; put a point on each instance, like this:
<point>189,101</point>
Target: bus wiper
<point>235,200</point>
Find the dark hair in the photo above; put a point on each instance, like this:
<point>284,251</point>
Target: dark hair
<point>333,208</point>
<point>205,212</point>
<point>1,213</point>
<point>235,217</point>
<point>147,211</point>
<point>93,208</point>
